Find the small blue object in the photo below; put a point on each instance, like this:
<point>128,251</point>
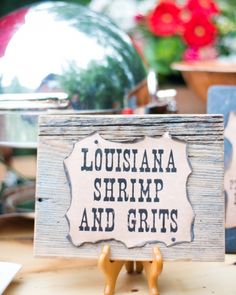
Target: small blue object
<point>222,100</point>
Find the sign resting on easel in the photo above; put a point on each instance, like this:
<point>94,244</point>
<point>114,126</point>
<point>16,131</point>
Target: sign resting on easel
<point>221,100</point>
<point>134,182</point>
<point>130,192</point>
<point>230,174</point>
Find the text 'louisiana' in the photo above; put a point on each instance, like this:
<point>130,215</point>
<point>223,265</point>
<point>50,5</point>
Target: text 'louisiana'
<point>128,160</point>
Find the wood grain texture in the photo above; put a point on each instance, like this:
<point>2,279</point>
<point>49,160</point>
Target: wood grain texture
<point>204,137</point>
<point>221,100</point>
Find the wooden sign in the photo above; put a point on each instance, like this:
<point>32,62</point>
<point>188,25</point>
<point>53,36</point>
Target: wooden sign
<point>133,182</point>
<point>222,99</point>
<point>230,174</point>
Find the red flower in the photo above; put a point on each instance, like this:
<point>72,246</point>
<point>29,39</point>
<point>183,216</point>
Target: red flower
<point>209,7</point>
<point>165,20</point>
<point>9,24</point>
<point>199,31</point>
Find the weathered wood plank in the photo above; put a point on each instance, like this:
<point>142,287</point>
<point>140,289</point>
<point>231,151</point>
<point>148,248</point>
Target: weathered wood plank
<point>221,99</point>
<point>204,137</point>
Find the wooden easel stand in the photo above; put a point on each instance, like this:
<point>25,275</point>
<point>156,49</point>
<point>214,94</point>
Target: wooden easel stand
<point>111,270</point>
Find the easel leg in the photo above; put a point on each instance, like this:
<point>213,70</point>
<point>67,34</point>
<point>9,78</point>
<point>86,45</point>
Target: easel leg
<point>139,266</point>
<point>111,270</point>
<point>153,269</point>
<point>129,265</point>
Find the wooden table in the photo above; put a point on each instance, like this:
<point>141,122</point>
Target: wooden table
<point>51,276</point>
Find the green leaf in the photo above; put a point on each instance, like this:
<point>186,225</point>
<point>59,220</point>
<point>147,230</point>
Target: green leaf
<point>162,52</point>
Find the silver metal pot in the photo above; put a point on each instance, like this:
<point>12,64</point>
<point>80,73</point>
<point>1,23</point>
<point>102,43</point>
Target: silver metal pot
<point>19,115</point>
<point>60,57</point>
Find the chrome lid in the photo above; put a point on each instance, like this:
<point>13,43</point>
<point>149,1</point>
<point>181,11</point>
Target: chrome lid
<point>62,57</point>
<point>62,47</point>
<point>34,101</point>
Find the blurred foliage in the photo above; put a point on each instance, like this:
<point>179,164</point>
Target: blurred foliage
<point>7,6</point>
<point>161,52</point>
<point>226,22</point>
<point>12,183</point>
<point>26,206</point>
<point>108,81</point>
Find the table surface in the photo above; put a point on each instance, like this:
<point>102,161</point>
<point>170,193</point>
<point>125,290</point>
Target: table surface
<point>73,276</point>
